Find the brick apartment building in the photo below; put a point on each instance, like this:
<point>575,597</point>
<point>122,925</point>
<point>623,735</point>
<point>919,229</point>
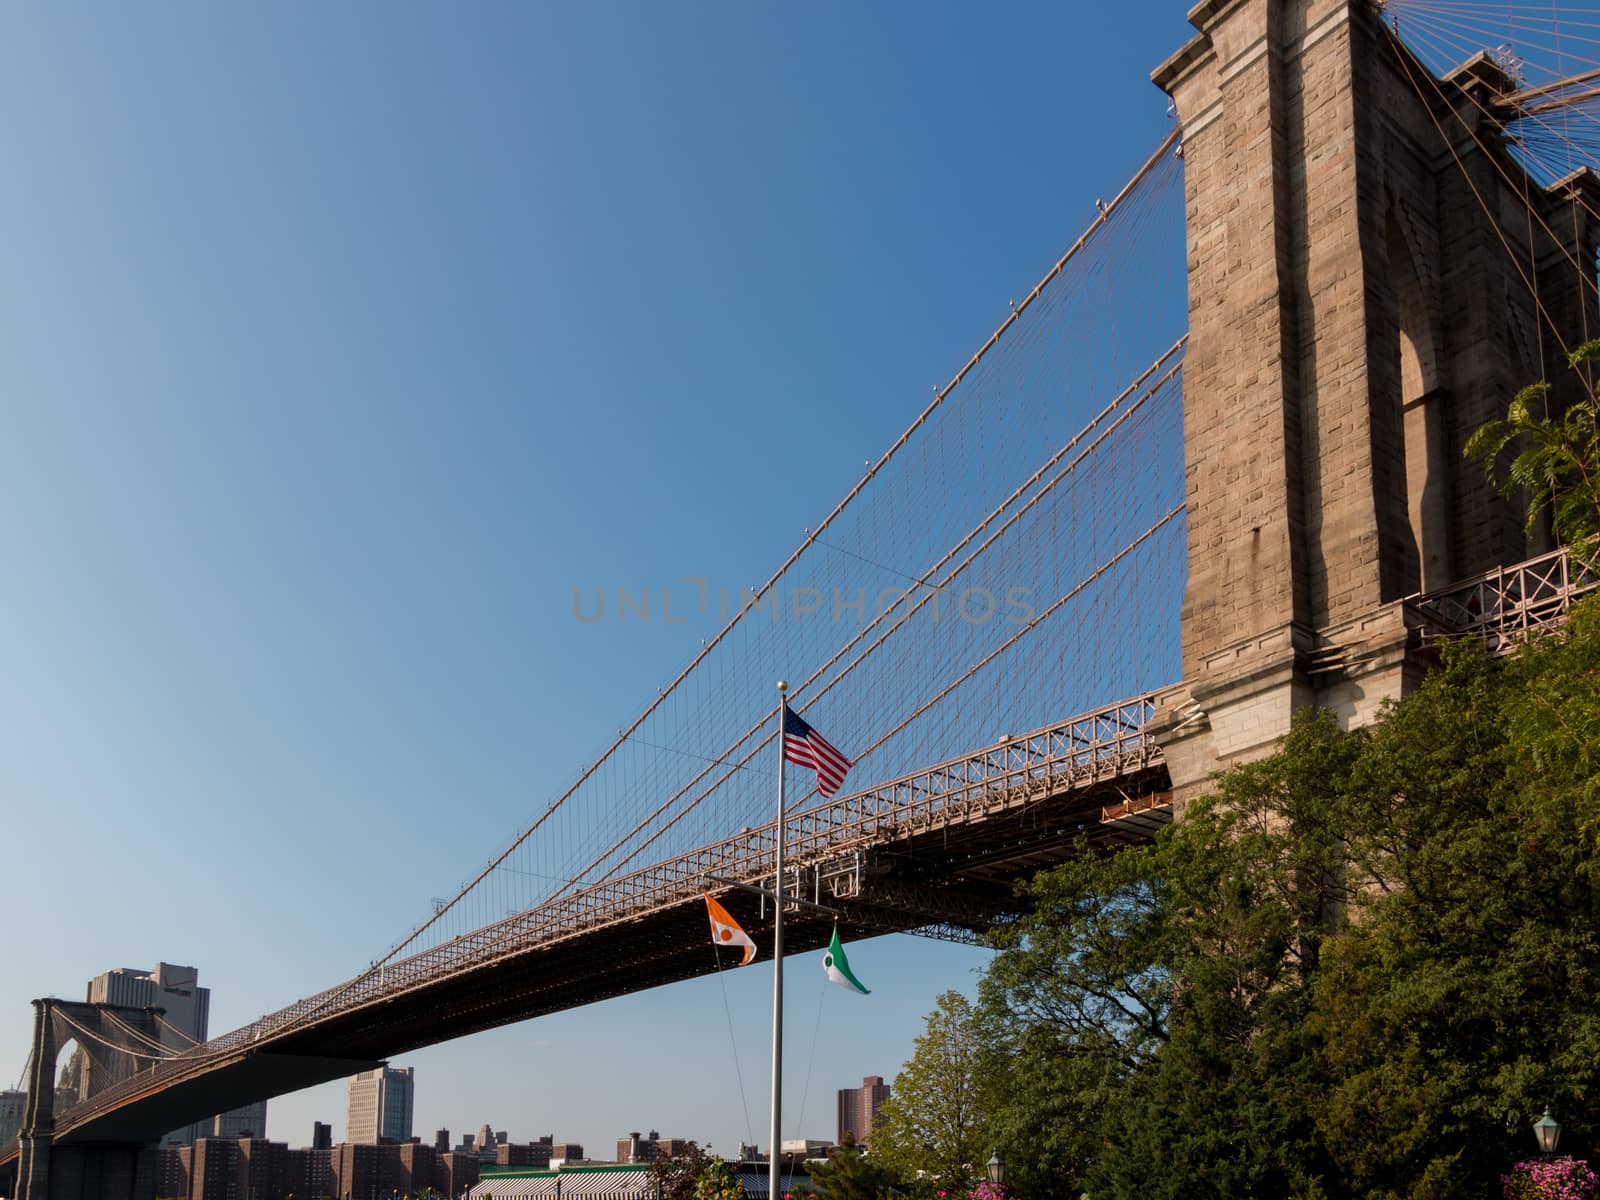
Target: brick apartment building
<point>858,1109</point>
<point>256,1169</point>
<point>525,1154</point>
<point>654,1148</point>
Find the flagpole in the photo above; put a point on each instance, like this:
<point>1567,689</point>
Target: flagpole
<point>773,1167</point>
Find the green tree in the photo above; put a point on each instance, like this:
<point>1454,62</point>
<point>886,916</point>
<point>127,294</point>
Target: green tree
<point>716,1180</point>
<point>1360,968</point>
<point>852,1175</point>
<point>1556,464</point>
<point>1075,1005</point>
<point>933,1121</point>
<point>676,1178</point>
<point>1459,1003</point>
<point>1163,992</point>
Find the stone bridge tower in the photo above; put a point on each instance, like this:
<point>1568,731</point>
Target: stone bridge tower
<point>1360,248</point>
<point>116,1041</point>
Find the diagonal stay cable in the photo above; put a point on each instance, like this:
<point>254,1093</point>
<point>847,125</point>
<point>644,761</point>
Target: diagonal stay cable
<point>1494,160</point>
<point>110,1045</point>
<point>514,930</point>
<point>1030,626</point>
<point>927,596</point>
<point>362,987</point>
<point>1094,226</point>
<point>135,1032</point>
<point>1410,65</point>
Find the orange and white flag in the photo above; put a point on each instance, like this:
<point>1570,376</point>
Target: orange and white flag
<point>725,930</point>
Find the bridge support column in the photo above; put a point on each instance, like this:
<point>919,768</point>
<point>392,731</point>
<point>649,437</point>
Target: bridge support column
<point>1354,315</point>
<point>109,1038</point>
<point>101,1171</point>
<point>38,1115</point>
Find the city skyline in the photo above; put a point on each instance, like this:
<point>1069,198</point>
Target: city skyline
<point>343,349</point>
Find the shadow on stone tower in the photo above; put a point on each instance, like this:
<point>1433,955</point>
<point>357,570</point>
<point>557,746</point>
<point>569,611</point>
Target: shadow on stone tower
<point>1359,262</point>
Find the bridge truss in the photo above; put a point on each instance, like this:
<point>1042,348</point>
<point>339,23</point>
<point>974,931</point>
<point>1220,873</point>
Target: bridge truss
<point>932,851</point>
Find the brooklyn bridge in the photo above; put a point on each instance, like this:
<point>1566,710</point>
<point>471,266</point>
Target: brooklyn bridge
<point>1389,228</point>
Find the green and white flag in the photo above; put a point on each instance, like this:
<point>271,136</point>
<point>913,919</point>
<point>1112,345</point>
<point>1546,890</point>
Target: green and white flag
<point>838,966</point>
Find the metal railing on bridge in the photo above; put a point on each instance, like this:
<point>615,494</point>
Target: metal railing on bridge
<point>1011,773</point>
<point>1505,605</point>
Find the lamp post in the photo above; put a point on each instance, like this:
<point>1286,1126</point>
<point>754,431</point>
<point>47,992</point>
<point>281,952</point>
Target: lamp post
<point>1548,1131</point>
<point>996,1167</point>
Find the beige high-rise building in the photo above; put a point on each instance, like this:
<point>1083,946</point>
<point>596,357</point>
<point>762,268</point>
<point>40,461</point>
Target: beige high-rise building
<point>169,987</point>
<point>247,1122</point>
<point>379,1106</point>
<point>187,1005</point>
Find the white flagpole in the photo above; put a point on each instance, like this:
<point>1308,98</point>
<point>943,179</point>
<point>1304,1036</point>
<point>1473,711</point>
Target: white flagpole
<point>773,1167</point>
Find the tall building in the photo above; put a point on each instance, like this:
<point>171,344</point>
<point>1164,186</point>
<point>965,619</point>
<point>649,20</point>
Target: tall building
<point>187,1005</point>
<point>858,1109</point>
<point>11,1106</point>
<point>172,1171</point>
<point>457,1173</point>
<point>169,987</point>
<point>174,988</point>
<point>310,1173</point>
<point>379,1106</point>
<point>247,1122</point>
<point>214,1168</point>
<point>321,1136</point>
<point>263,1169</point>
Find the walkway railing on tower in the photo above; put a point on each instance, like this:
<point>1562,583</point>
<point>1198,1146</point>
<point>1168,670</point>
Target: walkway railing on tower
<point>1505,605</point>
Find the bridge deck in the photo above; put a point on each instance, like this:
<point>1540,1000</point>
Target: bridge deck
<point>933,851</point>
<point>937,848</point>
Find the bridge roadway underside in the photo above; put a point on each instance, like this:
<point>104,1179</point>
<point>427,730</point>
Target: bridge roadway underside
<point>951,875</point>
<point>255,1077</point>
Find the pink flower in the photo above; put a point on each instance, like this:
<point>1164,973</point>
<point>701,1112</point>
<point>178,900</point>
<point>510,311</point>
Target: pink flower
<point>1550,1179</point>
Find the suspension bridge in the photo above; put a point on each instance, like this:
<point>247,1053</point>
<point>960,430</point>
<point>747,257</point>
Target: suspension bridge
<point>1111,553</point>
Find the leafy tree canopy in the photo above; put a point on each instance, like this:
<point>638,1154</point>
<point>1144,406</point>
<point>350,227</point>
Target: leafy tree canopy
<point>1554,461</point>
<point>933,1121</point>
<point>852,1175</point>
<point>1361,968</point>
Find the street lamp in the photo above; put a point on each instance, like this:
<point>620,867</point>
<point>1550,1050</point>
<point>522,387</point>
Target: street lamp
<point>1548,1130</point>
<point>996,1167</point>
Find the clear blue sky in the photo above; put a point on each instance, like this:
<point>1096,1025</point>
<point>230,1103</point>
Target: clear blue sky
<point>338,345</point>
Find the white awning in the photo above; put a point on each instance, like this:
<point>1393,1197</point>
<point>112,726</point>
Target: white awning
<point>634,1183</point>
<point>513,1187</point>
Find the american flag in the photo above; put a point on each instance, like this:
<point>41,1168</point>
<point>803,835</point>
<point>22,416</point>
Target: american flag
<point>806,747</point>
